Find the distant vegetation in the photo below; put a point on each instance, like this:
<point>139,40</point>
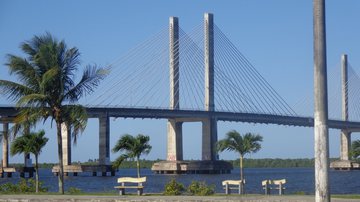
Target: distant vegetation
<point>248,163</point>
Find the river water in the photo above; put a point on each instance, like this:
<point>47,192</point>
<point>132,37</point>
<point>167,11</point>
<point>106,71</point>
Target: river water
<point>298,180</point>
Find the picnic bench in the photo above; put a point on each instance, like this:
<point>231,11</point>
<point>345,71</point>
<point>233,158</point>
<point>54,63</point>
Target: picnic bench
<point>228,185</point>
<point>125,184</point>
<point>273,184</point>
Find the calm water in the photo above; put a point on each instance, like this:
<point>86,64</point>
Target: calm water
<point>298,180</point>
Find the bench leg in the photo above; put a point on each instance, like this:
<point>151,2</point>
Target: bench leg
<point>121,191</point>
<point>241,188</point>
<point>227,190</point>
<point>140,192</point>
<point>267,189</point>
<point>281,189</point>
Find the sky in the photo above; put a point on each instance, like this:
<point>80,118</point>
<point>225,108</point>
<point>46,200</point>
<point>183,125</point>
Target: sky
<point>275,35</point>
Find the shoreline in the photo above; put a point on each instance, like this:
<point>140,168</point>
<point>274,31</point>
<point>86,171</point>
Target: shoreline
<point>135,198</point>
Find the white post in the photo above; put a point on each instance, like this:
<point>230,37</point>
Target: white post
<point>321,108</point>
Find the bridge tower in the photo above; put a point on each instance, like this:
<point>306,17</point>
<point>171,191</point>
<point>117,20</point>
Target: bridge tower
<point>345,140</point>
<point>174,127</point>
<point>345,136</point>
<point>209,128</point>
<point>174,161</point>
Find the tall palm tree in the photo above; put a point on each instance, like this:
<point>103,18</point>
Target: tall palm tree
<point>30,143</point>
<point>355,149</point>
<point>248,143</point>
<point>132,147</point>
<point>47,86</point>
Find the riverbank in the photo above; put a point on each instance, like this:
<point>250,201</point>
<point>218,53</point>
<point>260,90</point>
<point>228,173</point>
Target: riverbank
<point>133,198</point>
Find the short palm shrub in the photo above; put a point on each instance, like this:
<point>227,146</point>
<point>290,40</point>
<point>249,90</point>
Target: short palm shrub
<point>200,189</point>
<point>173,188</point>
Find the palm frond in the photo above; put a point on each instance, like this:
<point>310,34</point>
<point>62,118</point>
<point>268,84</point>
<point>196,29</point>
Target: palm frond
<point>119,160</point>
<point>14,90</point>
<point>32,100</point>
<point>29,143</point>
<point>24,71</point>
<point>90,79</point>
<point>234,141</point>
<point>126,142</point>
<point>76,117</point>
<point>70,61</point>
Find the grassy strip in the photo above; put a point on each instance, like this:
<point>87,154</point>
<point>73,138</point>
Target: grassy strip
<point>346,196</point>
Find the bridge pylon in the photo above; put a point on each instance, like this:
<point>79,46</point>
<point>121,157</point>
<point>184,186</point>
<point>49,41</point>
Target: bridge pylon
<point>209,160</point>
<point>344,163</point>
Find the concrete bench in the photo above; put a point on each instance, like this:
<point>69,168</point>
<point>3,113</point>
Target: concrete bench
<point>273,184</point>
<point>125,180</point>
<point>232,184</point>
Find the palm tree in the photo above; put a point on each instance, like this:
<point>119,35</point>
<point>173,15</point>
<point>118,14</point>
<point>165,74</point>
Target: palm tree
<point>132,147</point>
<point>30,143</point>
<point>47,86</point>
<point>249,143</point>
<point>355,149</point>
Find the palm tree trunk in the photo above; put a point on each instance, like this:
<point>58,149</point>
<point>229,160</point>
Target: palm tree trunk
<point>242,173</point>
<point>60,155</point>
<point>36,174</point>
<point>138,167</point>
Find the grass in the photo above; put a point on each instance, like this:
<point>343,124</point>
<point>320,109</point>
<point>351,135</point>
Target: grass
<point>346,196</point>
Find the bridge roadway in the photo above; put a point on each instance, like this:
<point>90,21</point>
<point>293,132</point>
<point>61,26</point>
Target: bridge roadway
<point>7,112</point>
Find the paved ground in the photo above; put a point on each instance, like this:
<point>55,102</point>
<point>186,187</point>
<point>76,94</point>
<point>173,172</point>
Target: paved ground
<point>72,198</point>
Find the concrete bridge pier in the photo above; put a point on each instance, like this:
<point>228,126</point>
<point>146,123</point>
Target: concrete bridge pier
<point>5,170</point>
<point>104,147</point>
<point>174,141</point>
<point>66,146</point>
<point>5,141</point>
<point>66,153</point>
<point>104,165</point>
<point>209,139</point>
<point>28,165</point>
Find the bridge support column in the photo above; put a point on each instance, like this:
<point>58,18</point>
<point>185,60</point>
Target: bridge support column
<point>104,140</point>
<point>5,140</point>
<point>28,165</point>
<point>209,129</point>
<point>345,140</point>
<point>174,142</point>
<point>345,145</point>
<point>66,143</point>
<point>209,139</point>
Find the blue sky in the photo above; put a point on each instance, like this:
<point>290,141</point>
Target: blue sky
<point>275,35</point>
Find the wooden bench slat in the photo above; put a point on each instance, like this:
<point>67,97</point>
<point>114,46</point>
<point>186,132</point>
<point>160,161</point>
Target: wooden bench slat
<point>232,182</point>
<point>131,179</point>
<point>129,187</point>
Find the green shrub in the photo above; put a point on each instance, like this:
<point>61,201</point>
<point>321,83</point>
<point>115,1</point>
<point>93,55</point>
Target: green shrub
<point>74,190</point>
<point>173,188</point>
<point>200,189</point>
<point>9,188</point>
<point>22,187</point>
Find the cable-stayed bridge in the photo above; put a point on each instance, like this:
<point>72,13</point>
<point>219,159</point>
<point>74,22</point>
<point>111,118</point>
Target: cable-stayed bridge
<point>199,76</point>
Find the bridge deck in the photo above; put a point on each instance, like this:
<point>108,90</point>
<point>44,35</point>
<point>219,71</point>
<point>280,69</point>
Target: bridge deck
<point>7,113</point>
